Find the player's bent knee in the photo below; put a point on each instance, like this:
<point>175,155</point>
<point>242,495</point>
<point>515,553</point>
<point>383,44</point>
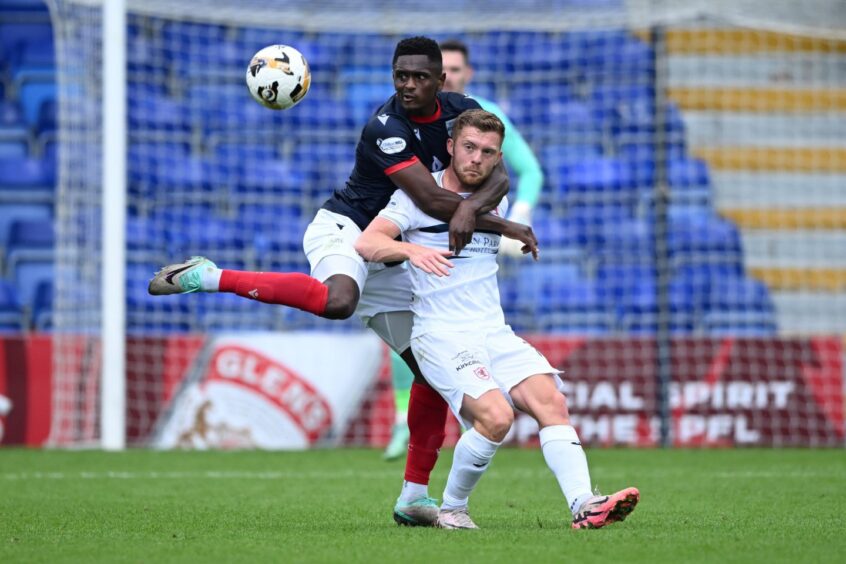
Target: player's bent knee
<point>496,421</point>
<point>342,299</point>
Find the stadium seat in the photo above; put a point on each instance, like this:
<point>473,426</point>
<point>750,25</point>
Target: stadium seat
<point>47,116</point>
<point>363,99</point>
<point>28,271</point>
<point>12,35</point>
<point>593,179</point>
<point>12,212</point>
<point>10,115</point>
<point>158,113</point>
<point>697,234</point>
<point>25,174</point>
<point>42,306</point>
<point>13,149</point>
<point>33,93</point>
<point>11,316</point>
<point>739,306</point>
<point>590,223</point>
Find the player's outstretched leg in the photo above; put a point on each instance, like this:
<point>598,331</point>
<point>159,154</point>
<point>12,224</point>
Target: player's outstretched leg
<point>336,298</point>
<point>564,455</point>
<point>402,378</point>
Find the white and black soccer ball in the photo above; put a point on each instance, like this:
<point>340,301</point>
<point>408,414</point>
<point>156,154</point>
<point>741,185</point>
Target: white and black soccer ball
<point>278,77</point>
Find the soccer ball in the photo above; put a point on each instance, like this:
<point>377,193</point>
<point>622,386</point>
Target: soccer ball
<point>278,77</point>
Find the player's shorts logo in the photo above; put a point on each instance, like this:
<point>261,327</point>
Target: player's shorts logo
<point>391,145</point>
<point>482,373</point>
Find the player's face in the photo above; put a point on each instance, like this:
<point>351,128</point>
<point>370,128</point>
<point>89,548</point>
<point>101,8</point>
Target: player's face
<point>417,82</point>
<point>474,155</point>
<point>457,71</point>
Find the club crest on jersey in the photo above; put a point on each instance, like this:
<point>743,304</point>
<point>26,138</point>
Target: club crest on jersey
<point>391,145</point>
<point>482,373</point>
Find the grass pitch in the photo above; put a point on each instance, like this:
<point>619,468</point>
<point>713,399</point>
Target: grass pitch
<point>335,506</point>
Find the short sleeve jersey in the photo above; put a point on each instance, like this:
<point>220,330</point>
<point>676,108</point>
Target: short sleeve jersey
<point>467,299</point>
<point>391,141</point>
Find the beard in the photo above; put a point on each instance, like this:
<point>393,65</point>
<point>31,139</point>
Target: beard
<point>473,181</point>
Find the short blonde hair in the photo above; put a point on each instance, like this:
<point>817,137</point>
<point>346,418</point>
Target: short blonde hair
<point>480,119</point>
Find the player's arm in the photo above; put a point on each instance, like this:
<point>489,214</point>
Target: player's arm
<point>378,244</point>
<point>442,204</point>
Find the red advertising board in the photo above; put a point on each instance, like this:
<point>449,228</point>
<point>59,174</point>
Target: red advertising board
<point>723,392</point>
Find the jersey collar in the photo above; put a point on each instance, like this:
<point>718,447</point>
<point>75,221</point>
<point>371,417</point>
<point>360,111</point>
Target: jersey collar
<point>429,119</point>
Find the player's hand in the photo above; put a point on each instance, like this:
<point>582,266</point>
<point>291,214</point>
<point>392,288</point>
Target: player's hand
<point>430,261</point>
<point>525,235</point>
<point>461,227</point>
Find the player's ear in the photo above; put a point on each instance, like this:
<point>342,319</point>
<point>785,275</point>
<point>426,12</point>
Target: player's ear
<point>441,80</point>
<point>451,146</point>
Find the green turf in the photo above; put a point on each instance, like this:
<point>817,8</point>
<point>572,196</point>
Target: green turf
<point>334,506</point>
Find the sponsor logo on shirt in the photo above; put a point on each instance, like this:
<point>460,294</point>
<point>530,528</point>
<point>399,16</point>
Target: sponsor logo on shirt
<point>391,145</point>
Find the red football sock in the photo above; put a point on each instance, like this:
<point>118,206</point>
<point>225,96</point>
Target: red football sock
<point>427,413</point>
<point>292,289</point>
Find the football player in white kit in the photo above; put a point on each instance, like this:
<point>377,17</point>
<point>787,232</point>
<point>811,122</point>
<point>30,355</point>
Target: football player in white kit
<point>464,347</point>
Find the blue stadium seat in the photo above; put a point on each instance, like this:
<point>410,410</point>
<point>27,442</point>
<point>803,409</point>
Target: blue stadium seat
<point>28,173</point>
<point>559,299</point>
<point>697,234</point>
<point>28,273</point>
<point>616,100</point>
<point>13,35</point>
<point>271,175</point>
<point>739,306</point>
<point>363,99</point>
<point>33,93</point>
<point>42,306</point>
<point>158,113</point>
<point>328,163</point>
<point>31,233</point>
<point>590,223</point>
<point>11,315</point>
<point>12,212</point>
<point>589,179</point>
<point>47,116</point>
<point>10,115</point>
<point>13,149</point>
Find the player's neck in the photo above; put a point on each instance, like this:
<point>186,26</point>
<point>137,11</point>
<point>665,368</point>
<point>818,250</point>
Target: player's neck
<point>451,182</point>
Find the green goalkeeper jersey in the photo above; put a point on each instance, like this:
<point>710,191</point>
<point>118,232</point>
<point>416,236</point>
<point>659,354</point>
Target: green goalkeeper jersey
<point>518,156</point>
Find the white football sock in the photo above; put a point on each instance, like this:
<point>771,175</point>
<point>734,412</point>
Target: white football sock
<point>473,453</point>
<point>210,279</point>
<point>412,491</point>
<point>564,456</point>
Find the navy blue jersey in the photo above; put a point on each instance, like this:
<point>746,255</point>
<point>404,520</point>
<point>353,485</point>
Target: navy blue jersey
<point>391,141</point>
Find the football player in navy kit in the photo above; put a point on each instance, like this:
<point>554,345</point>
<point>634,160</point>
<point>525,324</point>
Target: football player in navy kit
<point>401,145</point>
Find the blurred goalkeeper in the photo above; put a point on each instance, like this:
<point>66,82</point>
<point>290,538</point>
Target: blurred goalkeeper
<point>515,150</point>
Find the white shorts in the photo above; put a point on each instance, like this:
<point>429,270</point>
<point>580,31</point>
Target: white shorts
<point>329,244</point>
<point>462,363</point>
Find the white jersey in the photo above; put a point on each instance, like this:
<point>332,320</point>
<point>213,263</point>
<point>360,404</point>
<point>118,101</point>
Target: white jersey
<point>467,299</point>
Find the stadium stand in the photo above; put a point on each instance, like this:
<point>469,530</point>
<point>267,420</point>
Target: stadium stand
<point>588,119</point>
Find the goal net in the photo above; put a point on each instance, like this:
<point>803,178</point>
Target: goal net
<point>692,218</point>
